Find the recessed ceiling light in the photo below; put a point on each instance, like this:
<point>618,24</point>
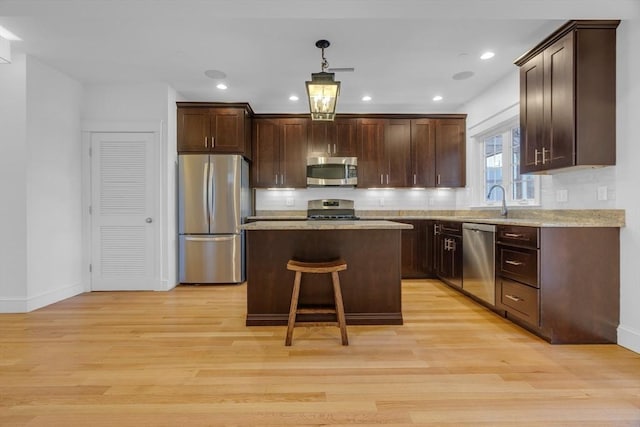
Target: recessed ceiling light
<point>293,98</point>
<point>487,55</point>
<point>437,98</point>
<point>221,86</point>
<point>6,34</point>
<point>366,98</point>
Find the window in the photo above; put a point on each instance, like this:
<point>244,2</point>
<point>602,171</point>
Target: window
<point>501,166</point>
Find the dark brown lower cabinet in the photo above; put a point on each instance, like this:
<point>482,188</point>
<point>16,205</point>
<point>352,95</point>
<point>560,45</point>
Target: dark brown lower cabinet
<point>448,252</point>
<point>561,283</point>
<point>417,250</point>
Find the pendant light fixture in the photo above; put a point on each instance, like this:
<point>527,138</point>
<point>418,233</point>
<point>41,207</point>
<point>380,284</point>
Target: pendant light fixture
<point>323,90</point>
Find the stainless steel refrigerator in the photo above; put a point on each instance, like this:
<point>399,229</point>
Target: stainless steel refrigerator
<point>213,200</point>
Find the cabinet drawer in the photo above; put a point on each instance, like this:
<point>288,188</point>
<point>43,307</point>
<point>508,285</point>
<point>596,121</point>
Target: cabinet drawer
<point>518,235</point>
<point>519,264</point>
<point>520,300</point>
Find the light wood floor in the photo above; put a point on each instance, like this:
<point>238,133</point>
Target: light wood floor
<point>185,358</point>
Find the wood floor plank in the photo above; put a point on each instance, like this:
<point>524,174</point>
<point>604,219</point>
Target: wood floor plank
<point>185,357</point>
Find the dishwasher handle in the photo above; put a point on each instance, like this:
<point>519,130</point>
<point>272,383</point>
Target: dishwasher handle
<point>479,227</point>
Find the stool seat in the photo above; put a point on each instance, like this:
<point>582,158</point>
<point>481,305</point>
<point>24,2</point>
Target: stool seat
<point>317,267</point>
<point>332,267</point>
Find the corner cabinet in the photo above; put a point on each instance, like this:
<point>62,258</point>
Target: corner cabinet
<point>448,252</point>
<point>568,99</point>
<point>279,153</point>
<point>562,283</point>
<point>214,128</point>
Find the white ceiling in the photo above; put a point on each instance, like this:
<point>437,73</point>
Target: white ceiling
<point>404,51</point>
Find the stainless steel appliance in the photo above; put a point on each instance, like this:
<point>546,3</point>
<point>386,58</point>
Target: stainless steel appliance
<point>478,261</point>
<point>213,200</point>
<point>328,209</point>
<point>332,171</point>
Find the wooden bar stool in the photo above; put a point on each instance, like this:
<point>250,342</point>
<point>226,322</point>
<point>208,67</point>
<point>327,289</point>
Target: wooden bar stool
<point>332,267</point>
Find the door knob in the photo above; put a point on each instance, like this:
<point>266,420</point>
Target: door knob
<point>148,220</point>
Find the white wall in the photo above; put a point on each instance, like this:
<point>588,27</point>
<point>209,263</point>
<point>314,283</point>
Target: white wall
<point>628,179</point>
<point>13,169</point>
<point>40,248</point>
<point>54,235</point>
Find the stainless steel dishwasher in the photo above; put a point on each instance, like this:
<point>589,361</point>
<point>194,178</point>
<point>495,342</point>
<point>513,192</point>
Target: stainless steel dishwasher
<point>478,261</point>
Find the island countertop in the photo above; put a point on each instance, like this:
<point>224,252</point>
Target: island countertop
<point>326,225</point>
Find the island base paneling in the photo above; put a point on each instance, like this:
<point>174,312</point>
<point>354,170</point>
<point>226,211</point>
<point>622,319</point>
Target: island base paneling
<point>370,285</point>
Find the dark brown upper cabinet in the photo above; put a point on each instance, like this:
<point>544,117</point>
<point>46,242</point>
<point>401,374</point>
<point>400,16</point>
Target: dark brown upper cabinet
<point>450,152</point>
<point>423,153</point>
<point>370,136</point>
<point>279,153</point>
<point>336,138</point>
<point>204,128</point>
<point>568,99</point>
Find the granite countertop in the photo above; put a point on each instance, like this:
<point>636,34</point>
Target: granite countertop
<point>526,217</point>
<point>326,225</point>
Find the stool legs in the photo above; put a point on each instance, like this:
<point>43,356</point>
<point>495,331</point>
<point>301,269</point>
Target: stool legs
<point>293,308</point>
<point>337,293</point>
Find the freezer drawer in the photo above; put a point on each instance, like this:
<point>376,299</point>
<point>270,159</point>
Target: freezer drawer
<point>212,259</point>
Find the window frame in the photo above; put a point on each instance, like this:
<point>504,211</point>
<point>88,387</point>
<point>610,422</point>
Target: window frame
<point>505,128</point>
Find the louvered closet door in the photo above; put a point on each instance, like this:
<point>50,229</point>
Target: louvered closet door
<point>124,217</point>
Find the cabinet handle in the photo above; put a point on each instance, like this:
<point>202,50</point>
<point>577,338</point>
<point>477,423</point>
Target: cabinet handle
<point>213,141</point>
<point>334,148</point>
<point>513,262</point>
<point>381,179</point>
<point>387,179</point>
<point>514,235</point>
<point>438,182</point>
<point>414,179</point>
<point>513,298</point>
<point>329,148</point>
<point>206,142</point>
<point>544,150</point>
<point>535,157</point>
<point>276,179</point>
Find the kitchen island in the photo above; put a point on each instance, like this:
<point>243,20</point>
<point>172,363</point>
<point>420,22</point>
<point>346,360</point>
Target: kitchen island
<point>370,285</point>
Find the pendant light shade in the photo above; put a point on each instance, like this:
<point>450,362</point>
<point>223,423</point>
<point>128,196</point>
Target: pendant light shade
<point>5,51</point>
<point>323,90</point>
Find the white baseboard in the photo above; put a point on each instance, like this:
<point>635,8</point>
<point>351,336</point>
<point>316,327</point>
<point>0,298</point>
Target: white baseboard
<point>25,305</point>
<point>629,338</point>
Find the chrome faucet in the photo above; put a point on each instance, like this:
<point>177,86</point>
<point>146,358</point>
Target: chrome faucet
<point>503,211</point>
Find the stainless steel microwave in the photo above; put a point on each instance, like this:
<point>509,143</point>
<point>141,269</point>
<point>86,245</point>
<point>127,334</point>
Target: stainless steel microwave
<point>332,171</point>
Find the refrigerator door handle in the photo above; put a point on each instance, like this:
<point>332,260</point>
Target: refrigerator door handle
<point>211,201</point>
<point>205,187</point>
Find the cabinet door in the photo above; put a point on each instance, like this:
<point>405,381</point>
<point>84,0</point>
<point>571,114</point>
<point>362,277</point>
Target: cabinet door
<point>371,153</point>
<point>423,153</point>
<point>193,130</point>
<point>293,152</point>
<point>265,168</point>
<point>531,115</point>
<point>345,144</point>
<point>559,95</point>
<point>322,137</point>
<point>227,130</point>
<point>414,250</point>
<point>397,147</point>
<point>450,153</point>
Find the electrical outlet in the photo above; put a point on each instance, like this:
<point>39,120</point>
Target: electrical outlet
<point>562,195</point>
<point>289,201</point>
<point>602,193</point>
